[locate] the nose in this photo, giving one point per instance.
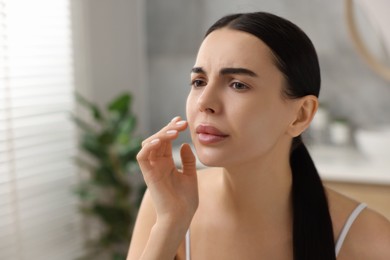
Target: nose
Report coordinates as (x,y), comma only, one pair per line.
(209,100)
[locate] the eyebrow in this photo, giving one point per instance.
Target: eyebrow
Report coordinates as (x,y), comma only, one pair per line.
(226,71)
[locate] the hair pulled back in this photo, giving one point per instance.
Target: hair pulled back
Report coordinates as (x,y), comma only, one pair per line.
(295,56)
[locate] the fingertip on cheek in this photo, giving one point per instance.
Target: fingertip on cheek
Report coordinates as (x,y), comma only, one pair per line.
(180,123)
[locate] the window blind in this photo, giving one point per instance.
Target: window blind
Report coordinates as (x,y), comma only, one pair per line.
(38,215)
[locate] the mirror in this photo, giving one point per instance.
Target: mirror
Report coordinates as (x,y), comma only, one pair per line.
(368,24)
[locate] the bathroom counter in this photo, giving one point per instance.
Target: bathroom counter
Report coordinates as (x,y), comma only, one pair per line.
(344,164)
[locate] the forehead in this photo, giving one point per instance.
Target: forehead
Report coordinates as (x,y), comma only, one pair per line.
(230,48)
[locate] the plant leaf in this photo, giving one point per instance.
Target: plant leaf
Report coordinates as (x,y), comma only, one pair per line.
(105,176)
(105,195)
(94,109)
(121,104)
(90,143)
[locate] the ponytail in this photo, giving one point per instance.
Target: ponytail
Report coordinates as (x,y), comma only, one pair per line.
(312,224)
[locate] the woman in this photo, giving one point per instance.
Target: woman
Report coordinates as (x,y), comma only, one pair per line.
(254,90)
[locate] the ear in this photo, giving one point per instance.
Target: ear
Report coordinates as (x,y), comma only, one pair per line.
(305,109)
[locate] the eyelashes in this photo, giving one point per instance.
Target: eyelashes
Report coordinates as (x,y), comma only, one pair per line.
(196,83)
(239,86)
(235,85)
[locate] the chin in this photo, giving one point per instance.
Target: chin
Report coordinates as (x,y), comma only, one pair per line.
(210,163)
(211,158)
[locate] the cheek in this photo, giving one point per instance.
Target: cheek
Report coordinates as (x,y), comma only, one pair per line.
(190,107)
(261,127)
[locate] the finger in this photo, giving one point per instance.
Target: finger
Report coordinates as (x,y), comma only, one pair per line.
(175,124)
(164,148)
(168,150)
(161,150)
(188,159)
(171,134)
(152,157)
(143,157)
(175,119)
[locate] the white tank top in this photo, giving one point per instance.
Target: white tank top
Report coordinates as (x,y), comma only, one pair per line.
(339,243)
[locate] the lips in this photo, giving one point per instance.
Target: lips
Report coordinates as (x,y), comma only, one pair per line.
(209,135)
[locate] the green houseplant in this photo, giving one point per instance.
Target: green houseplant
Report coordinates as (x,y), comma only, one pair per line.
(108,154)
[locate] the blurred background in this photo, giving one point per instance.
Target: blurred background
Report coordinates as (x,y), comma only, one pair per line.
(67,166)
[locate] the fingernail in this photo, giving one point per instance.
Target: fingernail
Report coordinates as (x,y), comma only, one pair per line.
(182,122)
(175,118)
(171,132)
(155,141)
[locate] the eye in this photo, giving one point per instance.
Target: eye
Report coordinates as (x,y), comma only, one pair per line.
(239,86)
(198,83)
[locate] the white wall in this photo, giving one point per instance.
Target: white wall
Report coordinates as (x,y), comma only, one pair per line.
(110,52)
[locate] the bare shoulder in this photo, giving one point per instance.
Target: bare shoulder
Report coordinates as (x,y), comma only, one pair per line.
(369,235)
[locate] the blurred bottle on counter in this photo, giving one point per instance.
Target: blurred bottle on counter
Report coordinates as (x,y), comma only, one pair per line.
(340,132)
(318,134)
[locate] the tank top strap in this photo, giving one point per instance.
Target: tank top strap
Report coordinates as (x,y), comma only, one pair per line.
(188,245)
(347,226)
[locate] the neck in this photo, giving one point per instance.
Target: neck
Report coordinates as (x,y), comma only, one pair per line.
(259,190)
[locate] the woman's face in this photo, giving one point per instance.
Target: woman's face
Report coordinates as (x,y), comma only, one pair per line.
(235,110)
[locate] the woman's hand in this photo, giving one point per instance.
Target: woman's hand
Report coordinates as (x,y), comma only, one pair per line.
(174,192)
